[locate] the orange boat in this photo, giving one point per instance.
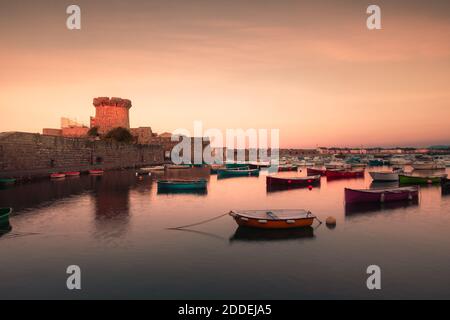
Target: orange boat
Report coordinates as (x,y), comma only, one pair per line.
(96,172)
(273,219)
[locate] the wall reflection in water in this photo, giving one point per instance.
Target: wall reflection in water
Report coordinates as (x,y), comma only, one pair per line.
(111,196)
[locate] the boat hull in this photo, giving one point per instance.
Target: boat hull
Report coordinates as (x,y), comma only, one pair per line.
(384,176)
(314,172)
(273,219)
(96,172)
(428,166)
(223,173)
(418,180)
(278,224)
(7,181)
(292,181)
(287,168)
(340,174)
(72,174)
(376,163)
(4,216)
(56,176)
(236,165)
(381,196)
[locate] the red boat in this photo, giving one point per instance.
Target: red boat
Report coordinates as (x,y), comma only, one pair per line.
(72,174)
(313,171)
(96,172)
(57,176)
(337,174)
(381,195)
(272,181)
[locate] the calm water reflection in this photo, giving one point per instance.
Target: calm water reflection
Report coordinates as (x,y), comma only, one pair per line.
(115,228)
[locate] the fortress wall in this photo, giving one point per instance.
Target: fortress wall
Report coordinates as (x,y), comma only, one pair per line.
(29,154)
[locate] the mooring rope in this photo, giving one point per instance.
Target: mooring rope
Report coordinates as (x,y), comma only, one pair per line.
(199,223)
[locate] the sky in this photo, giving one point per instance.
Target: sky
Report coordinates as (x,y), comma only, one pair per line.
(311,69)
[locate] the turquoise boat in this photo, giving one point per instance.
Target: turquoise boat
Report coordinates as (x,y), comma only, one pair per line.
(236,166)
(238,172)
(4,216)
(181,185)
(7,181)
(376,163)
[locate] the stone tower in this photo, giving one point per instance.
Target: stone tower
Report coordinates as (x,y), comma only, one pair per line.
(111,113)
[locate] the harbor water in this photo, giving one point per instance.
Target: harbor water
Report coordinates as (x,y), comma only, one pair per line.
(115,228)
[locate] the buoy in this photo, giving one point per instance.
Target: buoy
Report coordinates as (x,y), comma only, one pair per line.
(331,221)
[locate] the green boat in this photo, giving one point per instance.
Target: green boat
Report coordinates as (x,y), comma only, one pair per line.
(6,181)
(178,185)
(236,166)
(238,172)
(405,179)
(4,216)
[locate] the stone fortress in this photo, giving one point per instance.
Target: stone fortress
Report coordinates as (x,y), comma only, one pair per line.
(27,155)
(110,113)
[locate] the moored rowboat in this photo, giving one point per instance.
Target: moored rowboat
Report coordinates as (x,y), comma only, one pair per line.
(152,169)
(287,167)
(4,216)
(314,171)
(7,181)
(96,172)
(384,176)
(428,165)
(336,174)
(72,174)
(381,195)
(176,185)
(215,167)
(272,181)
(239,172)
(236,165)
(273,219)
(57,176)
(177,166)
(408,179)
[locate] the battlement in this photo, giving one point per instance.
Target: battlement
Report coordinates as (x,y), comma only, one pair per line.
(112,102)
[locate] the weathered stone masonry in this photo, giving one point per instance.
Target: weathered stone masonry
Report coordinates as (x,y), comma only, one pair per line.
(29,154)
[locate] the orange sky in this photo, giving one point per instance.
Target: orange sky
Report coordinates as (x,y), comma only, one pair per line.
(308,68)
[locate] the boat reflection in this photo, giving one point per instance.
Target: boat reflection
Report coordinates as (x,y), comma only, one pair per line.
(261,235)
(358,208)
(5,229)
(195,192)
(383,185)
(270,189)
